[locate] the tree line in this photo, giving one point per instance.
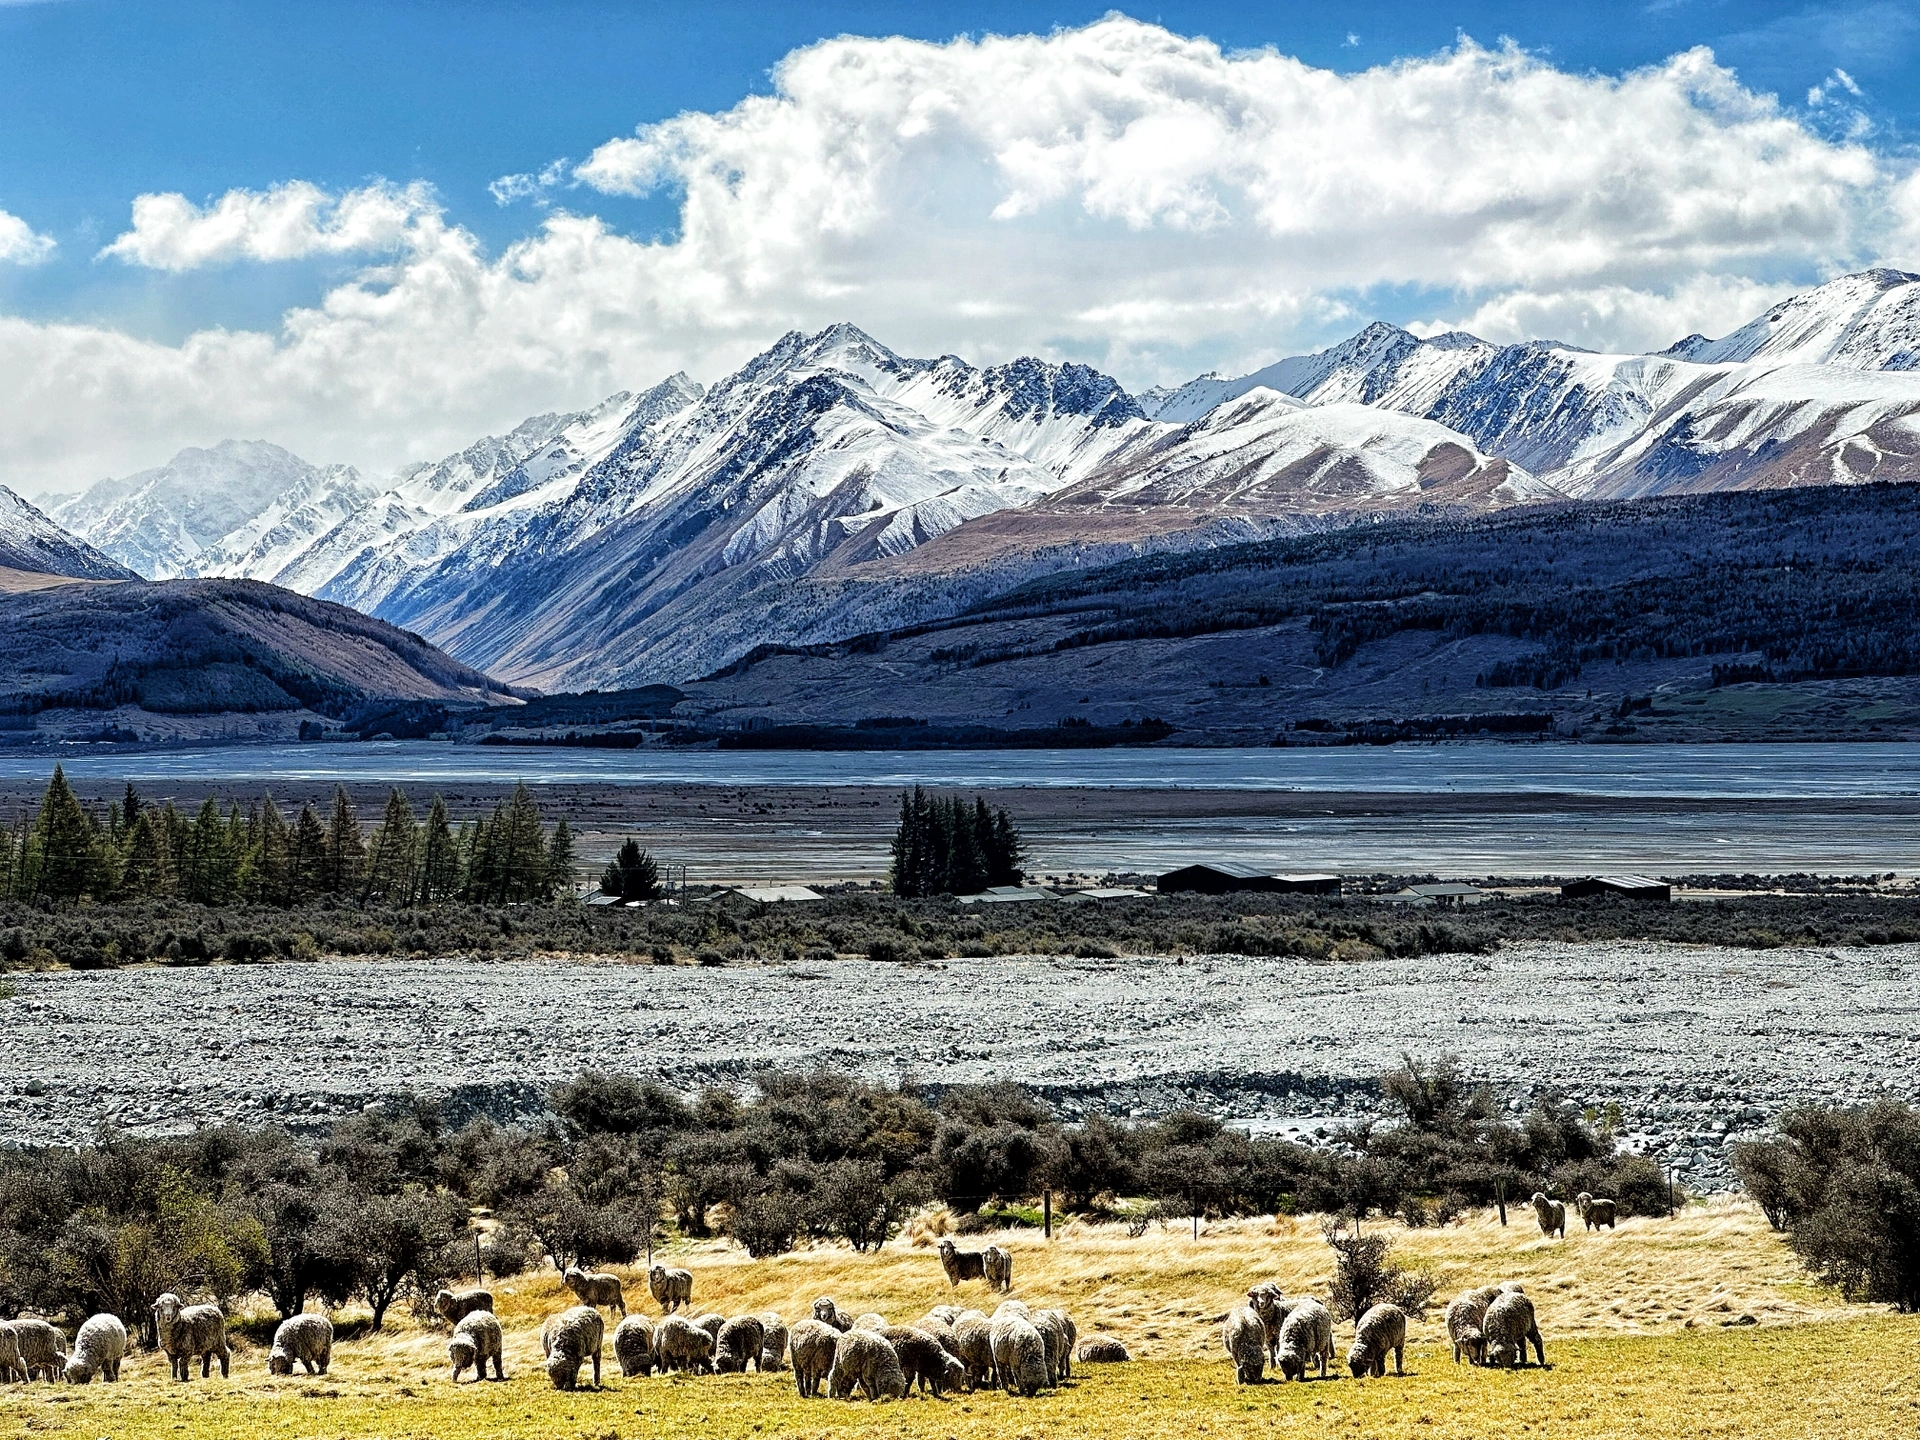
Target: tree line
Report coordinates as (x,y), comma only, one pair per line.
(949,847)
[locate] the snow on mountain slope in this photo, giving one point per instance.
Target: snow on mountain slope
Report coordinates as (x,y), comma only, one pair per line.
(1868,321)
(30,542)
(287,527)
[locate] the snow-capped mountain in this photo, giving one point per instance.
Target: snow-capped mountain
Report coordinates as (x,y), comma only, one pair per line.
(31,542)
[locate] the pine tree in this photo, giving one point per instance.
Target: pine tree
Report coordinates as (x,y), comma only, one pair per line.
(130,807)
(478,864)
(63,842)
(519,857)
(204,877)
(561,865)
(307,858)
(346,853)
(392,855)
(439,858)
(632,874)
(272,856)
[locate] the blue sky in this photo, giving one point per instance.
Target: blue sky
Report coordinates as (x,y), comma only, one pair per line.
(102,101)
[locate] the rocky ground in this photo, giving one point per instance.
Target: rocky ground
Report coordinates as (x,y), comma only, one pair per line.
(1697,1045)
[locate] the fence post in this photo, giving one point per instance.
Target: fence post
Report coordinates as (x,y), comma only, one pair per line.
(1500,1198)
(1046,1214)
(479,1270)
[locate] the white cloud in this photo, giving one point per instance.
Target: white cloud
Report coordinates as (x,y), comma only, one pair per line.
(287,222)
(1116,194)
(20,244)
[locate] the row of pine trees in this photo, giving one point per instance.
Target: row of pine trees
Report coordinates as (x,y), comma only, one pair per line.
(950,847)
(138,851)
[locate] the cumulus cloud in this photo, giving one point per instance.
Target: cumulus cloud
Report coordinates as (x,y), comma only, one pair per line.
(287,222)
(20,244)
(1116,194)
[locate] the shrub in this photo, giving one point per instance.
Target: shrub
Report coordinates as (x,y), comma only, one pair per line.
(765,1224)
(1365,1274)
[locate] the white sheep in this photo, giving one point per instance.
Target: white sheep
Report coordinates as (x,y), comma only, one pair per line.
(43,1349)
(12,1367)
(998,1264)
(1102,1350)
(1245,1336)
(595,1288)
(476,1340)
(1070,1333)
(307,1339)
(569,1340)
(455,1305)
(679,1344)
(871,1320)
(828,1313)
(1306,1338)
(973,1341)
(1382,1328)
(190,1332)
(670,1288)
(1466,1314)
(1551,1214)
(1019,1354)
(633,1346)
(773,1347)
(864,1361)
(1269,1302)
(1509,1326)
(97,1350)
(1595,1212)
(812,1344)
(738,1345)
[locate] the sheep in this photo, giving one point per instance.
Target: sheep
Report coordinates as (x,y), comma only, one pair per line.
(1053,1330)
(1509,1326)
(1245,1336)
(97,1350)
(569,1340)
(11,1366)
(1466,1314)
(710,1323)
(812,1344)
(1102,1350)
(670,1288)
(864,1361)
(1551,1214)
(948,1313)
(1306,1338)
(595,1288)
(1381,1329)
(476,1340)
(940,1329)
(1012,1307)
(924,1358)
(1269,1302)
(828,1313)
(738,1345)
(973,1341)
(633,1346)
(679,1344)
(1595,1212)
(998,1265)
(187,1331)
(961,1264)
(1071,1334)
(1019,1355)
(773,1343)
(872,1320)
(456,1305)
(43,1349)
(307,1339)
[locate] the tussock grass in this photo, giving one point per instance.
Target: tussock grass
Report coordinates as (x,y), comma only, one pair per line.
(1633,1322)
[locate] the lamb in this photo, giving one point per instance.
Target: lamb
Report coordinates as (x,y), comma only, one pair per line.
(812,1344)
(1071,1333)
(924,1358)
(97,1350)
(961,1264)
(738,1345)
(1551,1214)
(1509,1326)
(595,1288)
(679,1344)
(633,1346)
(1053,1330)
(1306,1338)
(670,1288)
(569,1340)
(1269,1302)
(1019,1355)
(1595,1212)
(773,1344)
(476,1340)
(864,1361)
(998,1265)
(1102,1350)
(43,1349)
(307,1339)
(973,1341)
(1466,1314)
(11,1367)
(190,1331)
(1381,1329)
(1245,1336)
(456,1305)
(828,1313)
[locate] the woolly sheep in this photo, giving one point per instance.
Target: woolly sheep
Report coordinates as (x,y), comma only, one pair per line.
(812,1344)
(961,1264)
(1465,1315)
(998,1264)
(191,1331)
(940,1329)
(569,1340)
(1019,1355)
(11,1366)
(1012,1307)
(456,1305)
(1381,1329)
(476,1340)
(711,1323)
(595,1288)
(1595,1212)
(864,1361)
(948,1313)
(679,1344)
(633,1346)
(872,1320)
(1102,1350)
(1306,1338)
(925,1359)
(973,1339)
(97,1350)
(828,1313)
(1053,1332)
(1269,1302)
(43,1349)
(738,1345)
(307,1339)
(1245,1336)
(1551,1214)
(670,1288)
(1071,1334)
(773,1343)
(1509,1326)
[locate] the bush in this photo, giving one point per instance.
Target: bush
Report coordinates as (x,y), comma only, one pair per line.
(1365,1274)
(765,1224)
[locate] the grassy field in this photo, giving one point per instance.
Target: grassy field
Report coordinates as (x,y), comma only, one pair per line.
(1636,1325)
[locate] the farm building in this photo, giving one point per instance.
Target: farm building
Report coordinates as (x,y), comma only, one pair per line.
(770,894)
(1627,887)
(1225,876)
(1443,895)
(1007,895)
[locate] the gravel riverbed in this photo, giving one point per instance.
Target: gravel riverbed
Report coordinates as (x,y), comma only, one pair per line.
(1697,1045)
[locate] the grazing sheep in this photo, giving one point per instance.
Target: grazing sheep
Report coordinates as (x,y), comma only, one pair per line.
(1306,1338)
(1019,1355)
(812,1343)
(307,1339)
(1012,1307)
(973,1339)
(1269,1302)
(670,1288)
(961,1264)
(595,1288)
(1053,1331)
(11,1366)
(828,1313)
(773,1345)
(679,1344)
(476,1340)
(1595,1212)
(948,1313)
(1070,1333)
(97,1350)
(569,1340)
(924,1358)
(870,1321)
(1102,1350)
(1245,1336)
(188,1332)
(864,1361)
(998,1264)
(710,1323)
(1465,1315)
(1509,1326)
(941,1330)
(738,1345)
(43,1349)
(633,1346)
(456,1305)
(1381,1329)
(1551,1214)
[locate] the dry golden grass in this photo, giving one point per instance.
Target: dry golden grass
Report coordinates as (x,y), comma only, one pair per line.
(1633,1324)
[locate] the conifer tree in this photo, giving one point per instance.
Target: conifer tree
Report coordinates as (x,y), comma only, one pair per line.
(392,854)
(204,879)
(146,873)
(561,865)
(63,843)
(272,855)
(440,857)
(306,858)
(346,853)
(518,852)
(632,874)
